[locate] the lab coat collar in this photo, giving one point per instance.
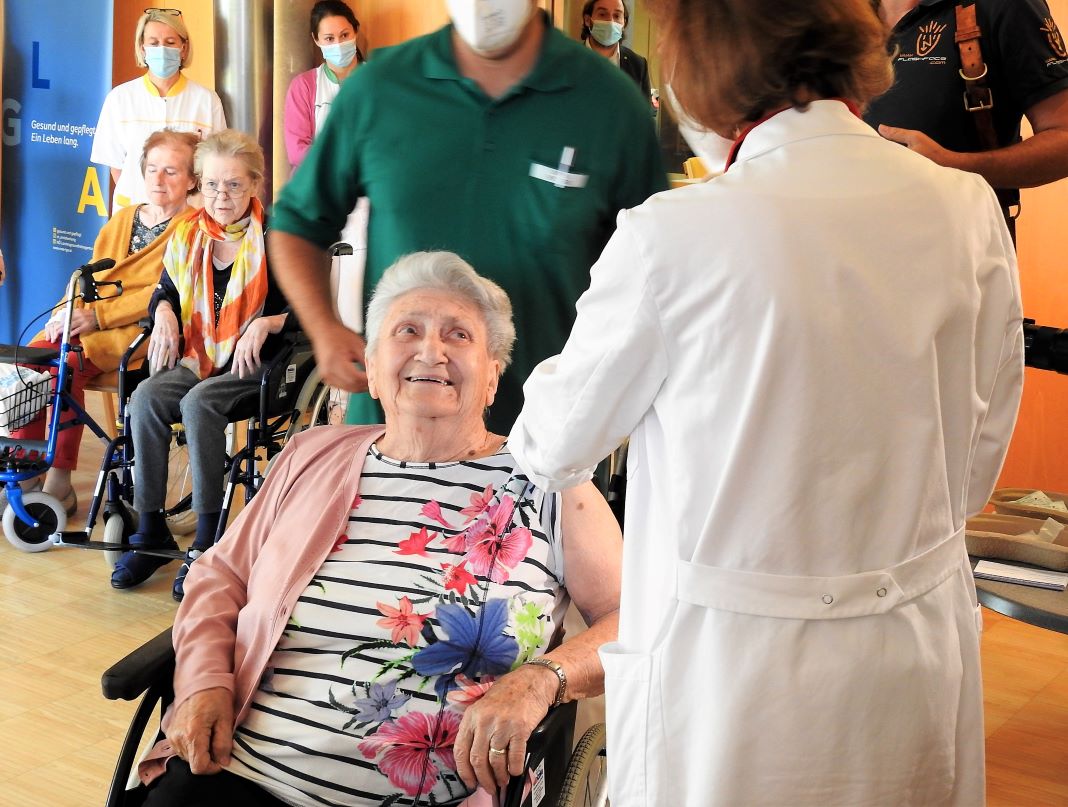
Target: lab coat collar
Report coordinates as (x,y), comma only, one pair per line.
(819,119)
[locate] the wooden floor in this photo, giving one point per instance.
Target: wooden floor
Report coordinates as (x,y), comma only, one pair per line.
(61,625)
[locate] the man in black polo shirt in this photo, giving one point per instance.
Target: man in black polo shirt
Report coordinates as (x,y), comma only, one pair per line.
(1027,64)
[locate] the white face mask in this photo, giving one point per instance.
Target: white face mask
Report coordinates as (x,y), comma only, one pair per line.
(488,26)
(711,147)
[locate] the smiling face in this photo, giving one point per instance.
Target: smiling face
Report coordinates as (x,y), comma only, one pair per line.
(432,359)
(168,179)
(227,188)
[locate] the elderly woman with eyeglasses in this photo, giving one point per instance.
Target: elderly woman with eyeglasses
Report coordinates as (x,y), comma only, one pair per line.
(161,98)
(214,312)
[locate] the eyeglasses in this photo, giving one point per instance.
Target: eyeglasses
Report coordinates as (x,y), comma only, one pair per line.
(174,12)
(232,188)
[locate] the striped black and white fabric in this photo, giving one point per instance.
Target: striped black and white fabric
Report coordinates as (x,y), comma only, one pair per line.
(448,576)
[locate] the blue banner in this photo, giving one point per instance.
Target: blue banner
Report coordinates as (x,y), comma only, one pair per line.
(57,70)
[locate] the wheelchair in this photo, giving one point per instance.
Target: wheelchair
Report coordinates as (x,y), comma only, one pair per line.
(556,775)
(292,397)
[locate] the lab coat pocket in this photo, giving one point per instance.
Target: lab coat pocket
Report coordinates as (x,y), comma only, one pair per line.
(633,721)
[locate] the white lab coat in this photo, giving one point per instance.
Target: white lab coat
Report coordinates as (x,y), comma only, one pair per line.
(818,357)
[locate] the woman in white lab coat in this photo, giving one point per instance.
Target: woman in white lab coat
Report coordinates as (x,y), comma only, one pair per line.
(818,359)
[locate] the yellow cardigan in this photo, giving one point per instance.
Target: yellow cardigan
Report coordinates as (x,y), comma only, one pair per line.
(139,274)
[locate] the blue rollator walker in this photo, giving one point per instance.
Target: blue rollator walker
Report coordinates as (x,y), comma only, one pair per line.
(292,397)
(34,521)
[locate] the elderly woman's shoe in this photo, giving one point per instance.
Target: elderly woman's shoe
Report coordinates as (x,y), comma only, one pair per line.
(178,589)
(134,568)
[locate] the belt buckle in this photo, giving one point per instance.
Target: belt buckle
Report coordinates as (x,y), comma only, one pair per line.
(978,99)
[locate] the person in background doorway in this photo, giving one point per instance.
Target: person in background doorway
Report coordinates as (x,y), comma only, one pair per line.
(603,25)
(161,98)
(333,29)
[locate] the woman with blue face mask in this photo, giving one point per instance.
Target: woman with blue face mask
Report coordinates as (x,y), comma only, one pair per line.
(603,24)
(161,98)
(333,29)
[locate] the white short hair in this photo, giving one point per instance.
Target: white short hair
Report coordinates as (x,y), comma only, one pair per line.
(448,272)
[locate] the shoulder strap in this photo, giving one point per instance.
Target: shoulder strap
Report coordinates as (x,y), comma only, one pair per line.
(977,98)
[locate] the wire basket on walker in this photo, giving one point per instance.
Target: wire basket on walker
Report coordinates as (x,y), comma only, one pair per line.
(23,396)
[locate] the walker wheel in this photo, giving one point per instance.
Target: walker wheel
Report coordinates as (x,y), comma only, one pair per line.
(45,509)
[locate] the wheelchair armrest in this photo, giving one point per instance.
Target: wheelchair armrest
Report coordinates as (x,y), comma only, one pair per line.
(147,665)
(550,744)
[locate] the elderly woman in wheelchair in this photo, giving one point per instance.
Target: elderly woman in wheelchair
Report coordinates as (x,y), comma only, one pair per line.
(380,623)
(214,311)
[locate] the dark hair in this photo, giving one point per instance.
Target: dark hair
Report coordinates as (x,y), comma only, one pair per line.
(331,8)
(587,11)
(730,62)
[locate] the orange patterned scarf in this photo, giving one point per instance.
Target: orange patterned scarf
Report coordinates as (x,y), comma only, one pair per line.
(188,261)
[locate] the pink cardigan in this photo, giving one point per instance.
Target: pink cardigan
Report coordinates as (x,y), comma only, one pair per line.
(238,596)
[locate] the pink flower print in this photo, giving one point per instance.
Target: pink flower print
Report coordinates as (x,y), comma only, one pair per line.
(469,691)
(339,543)
(479,502)
(404,623)
(411,742)
(415,544)
(357,502)
(457,543)
(495,557)
(457,577)
(432,510)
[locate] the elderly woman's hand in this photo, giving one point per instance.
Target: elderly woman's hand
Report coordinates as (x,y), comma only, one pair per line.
(247,350)
(163,346)
(83,321)
(503,719)
(202,731)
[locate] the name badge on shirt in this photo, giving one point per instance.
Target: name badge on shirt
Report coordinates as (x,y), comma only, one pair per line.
(561,176)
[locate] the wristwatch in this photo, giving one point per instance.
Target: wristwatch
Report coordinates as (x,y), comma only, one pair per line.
(561,690)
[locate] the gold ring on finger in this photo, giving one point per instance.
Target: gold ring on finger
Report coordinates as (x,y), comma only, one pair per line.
(498,751)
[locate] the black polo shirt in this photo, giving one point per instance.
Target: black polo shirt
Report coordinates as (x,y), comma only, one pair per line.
(1025,55)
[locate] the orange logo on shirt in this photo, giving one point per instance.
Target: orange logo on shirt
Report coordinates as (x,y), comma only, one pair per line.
(1056,41)
(928,38)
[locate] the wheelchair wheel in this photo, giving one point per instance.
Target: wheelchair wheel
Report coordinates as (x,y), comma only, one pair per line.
(116,531)
(45,509)
(586,780)
(312,406)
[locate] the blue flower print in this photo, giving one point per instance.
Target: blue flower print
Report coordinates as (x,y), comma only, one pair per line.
(477,645)
(380,702)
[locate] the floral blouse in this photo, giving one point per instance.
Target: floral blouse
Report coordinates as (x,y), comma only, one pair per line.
(448,576)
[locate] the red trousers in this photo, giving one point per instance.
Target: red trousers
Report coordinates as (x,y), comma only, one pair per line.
(68,443)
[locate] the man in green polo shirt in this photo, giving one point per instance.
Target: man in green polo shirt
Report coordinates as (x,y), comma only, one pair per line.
(495,137)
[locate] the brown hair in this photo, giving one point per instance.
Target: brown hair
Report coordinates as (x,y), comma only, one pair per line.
(169,137)
(730,62)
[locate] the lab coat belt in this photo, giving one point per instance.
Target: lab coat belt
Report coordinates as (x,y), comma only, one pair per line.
(839,597)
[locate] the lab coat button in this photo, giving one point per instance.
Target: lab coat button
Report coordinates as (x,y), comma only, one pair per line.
(881,592)
(828,599)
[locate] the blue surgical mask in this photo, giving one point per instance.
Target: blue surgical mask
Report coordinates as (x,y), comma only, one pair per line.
(163,61)
(339,54)
(607,32)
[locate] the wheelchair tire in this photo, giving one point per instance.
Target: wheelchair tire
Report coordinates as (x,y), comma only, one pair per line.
(586,780)
(116,531)
(312,406)
(47,510)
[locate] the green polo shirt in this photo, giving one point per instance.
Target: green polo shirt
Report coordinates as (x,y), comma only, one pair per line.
(447,167)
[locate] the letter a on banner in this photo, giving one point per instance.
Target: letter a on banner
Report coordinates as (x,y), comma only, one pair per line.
(91,195)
